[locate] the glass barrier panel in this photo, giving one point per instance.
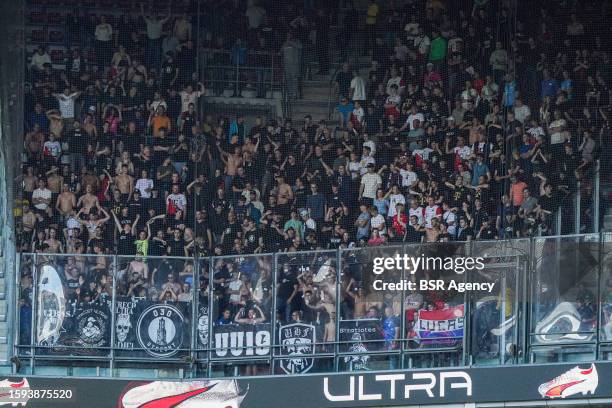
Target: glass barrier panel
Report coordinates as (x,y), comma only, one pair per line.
(203,314)
(564,289)
(605,287)
(153,307)
(25,297)
(368,362)
(73,298)
(434,311)
(438,359)
(242,309)
(495,320)
(370,312)
(306,294)
(562,354)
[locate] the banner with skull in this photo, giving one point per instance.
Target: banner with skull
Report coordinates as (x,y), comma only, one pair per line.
(146,328)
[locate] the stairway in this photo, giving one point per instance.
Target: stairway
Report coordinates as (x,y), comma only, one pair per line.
(316,99)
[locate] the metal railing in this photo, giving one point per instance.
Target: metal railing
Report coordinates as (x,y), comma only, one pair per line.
(535,279)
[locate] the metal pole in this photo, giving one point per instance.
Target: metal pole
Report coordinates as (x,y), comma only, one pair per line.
(557,220)
(402,344)
(596,197)
(211,316)
(16,322)
(502,312)
(466,353)
(195,297)
(577,214)
(338,316)
(273,311)
(113,307)
(600,295)
(34,311)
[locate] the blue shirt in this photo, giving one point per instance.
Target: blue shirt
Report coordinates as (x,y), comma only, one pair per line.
(549,87)
(509,93)
(477,171)
(389,326)
(382,206)
(316,205)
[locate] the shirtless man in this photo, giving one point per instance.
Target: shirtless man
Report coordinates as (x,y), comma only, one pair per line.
(285,193)
(232,162)
(33,142)
(55,123)
(359,299)
(89,179)
(138,266)
(54,181)
(432,234)
(93,223)
(30,181)
(54,245)
(329,334)
(125,184)
(28,221)
(88,200)
(66,201)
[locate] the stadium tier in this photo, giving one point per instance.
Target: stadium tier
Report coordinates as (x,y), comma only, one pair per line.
(206,195)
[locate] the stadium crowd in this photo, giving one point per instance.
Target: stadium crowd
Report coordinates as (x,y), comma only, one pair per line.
(453,133)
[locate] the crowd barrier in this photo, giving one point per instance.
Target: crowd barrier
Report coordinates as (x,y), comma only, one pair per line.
(306,312)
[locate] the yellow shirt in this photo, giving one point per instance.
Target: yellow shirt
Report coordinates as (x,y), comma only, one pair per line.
(372,14)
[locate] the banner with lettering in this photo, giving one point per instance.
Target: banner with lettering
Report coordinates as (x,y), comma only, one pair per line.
(152,329)
(242,340)
(440,326)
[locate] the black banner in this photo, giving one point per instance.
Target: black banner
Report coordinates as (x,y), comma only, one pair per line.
(361,336)
(78,329)
(242,340)
(145,328)
(532,384)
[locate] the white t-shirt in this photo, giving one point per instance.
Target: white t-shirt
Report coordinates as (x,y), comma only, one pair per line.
(378,222)
(370,182)
(178,200)
(394,200)
(39,60)
(463,152)
(430,213)
(54,148)
(44,193)
(370,143)
(412,117)
(358,86)
(363,164)
(104,32)
(424,153)
(187,98)
(450,218)
(417,212)
(408,177)
(66,105)
(142,185)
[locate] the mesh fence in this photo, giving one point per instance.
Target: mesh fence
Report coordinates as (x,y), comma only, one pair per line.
(233,129)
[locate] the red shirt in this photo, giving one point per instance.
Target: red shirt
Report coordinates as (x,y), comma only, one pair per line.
(398,228)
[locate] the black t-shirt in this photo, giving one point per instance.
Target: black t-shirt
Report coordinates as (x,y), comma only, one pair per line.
(176,247)
(157,248)
(125,244)
(412,235)
(548,203)
(251,239)
(76,142)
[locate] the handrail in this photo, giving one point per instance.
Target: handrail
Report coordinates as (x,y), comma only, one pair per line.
(332,79)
